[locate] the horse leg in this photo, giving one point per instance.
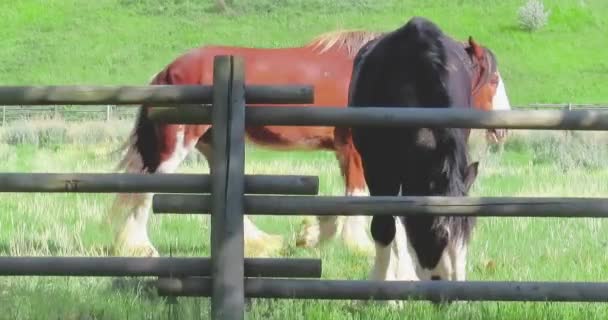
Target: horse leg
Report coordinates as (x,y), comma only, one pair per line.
(391,262)
(130,233)
(352,229)
(383,231)
(133,210)
(257,242)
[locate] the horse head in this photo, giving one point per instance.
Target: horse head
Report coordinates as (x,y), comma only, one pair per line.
(489,91)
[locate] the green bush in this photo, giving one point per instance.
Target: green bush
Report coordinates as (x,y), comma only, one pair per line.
(532,15)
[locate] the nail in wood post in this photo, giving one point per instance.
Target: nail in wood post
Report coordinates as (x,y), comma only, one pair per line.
(227,239)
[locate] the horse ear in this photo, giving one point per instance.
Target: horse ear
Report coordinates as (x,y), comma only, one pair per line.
(471,174)
(475,48)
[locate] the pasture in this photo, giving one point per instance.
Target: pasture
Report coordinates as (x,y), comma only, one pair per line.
(519,249)
(125,42)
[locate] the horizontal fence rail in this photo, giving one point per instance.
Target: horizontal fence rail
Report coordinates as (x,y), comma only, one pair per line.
(108,112)
(399,290)
(564,106)
(160,267)
(395,117)
(158,94)
(400,205)
(166,183)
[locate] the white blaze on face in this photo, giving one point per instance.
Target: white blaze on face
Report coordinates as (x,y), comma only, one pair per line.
(500,101)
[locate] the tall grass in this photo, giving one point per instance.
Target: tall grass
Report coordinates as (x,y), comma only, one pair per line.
(48,133)
(564,150)
(517,249)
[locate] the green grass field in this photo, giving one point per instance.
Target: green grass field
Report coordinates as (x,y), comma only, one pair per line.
(519,249)
(126,41)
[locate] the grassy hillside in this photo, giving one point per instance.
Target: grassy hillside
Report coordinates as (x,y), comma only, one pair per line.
(126,41)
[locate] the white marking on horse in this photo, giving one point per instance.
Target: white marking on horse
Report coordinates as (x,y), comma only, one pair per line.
(396,261)
(354,229)
(459,260)
(404,254)
(382,270)
(180,152)
(500,101)
(133,231)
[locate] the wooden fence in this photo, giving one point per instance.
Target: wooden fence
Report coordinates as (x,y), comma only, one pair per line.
(226,276)
(120,112)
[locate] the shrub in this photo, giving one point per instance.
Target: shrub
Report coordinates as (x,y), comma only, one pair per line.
(532,15)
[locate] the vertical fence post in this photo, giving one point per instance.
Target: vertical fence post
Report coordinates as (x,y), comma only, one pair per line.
(568,133)
(108,110)
(227,171)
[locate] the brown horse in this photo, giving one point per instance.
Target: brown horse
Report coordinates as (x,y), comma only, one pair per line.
(326,63)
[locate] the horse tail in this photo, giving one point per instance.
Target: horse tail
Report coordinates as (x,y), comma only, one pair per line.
(141,147)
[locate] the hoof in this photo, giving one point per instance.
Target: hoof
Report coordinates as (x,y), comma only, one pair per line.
(308,237)
(395,304)
(444,303)
(355,237)
(391,304)
(358,242)
(263,246)
(139,250)
(360,246)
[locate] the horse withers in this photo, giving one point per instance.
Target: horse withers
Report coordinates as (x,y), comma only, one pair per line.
(419,66)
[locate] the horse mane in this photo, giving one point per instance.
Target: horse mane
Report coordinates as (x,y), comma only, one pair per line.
(352,40)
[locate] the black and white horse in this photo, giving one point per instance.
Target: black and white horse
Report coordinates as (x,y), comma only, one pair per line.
(419,66)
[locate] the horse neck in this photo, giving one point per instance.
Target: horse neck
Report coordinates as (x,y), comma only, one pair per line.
(477,77)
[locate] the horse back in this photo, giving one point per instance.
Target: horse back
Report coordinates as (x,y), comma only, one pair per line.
(328,72)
